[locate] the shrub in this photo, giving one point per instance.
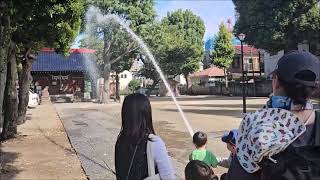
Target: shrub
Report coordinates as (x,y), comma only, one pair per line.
(134,85)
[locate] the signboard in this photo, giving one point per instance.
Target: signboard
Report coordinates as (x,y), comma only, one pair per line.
(60,77)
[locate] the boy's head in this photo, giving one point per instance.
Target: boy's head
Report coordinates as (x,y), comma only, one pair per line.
(230,139)
(199,139)
(197,170)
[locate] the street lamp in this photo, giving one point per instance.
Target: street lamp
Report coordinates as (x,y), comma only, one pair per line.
(241,38)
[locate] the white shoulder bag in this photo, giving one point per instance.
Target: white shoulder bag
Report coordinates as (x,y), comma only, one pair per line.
(151,166)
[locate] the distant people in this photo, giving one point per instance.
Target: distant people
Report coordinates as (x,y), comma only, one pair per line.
(198,170)
(284,136)
(201,153)
(230,140)
(131,147)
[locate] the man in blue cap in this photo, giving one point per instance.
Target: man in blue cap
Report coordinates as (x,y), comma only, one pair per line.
(230,140)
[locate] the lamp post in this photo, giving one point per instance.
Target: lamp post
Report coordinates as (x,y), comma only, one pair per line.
(241,38)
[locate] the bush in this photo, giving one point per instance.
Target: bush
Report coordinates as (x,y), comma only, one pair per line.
(134,85)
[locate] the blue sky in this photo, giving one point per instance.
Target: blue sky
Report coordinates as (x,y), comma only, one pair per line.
(212,12)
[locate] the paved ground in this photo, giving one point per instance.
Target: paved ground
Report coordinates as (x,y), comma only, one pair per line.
(93,128)
(41,149)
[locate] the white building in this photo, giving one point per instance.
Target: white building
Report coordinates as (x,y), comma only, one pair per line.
(270,61)
(124,79)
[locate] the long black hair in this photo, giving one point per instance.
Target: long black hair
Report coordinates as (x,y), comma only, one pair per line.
(136,126)
(136,117)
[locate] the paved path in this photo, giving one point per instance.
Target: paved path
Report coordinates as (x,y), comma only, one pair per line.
(41,149)
(93,129)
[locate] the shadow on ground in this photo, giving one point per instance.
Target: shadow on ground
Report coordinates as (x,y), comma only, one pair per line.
(201,98)
(71,151)
(256,106)
(222,112)
(7,171)
(177,141)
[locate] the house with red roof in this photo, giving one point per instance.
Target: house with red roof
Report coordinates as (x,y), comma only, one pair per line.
(253,62)
(207,76)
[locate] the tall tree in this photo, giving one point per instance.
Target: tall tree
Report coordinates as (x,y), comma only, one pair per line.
(5,40)
(223,51)
(53,23)
(10,100)
(36,24)
(117,43)
(188,48)
(279,25)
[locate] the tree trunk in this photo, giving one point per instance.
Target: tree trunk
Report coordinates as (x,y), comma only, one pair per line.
(105,94)
(24,87)
(117,88)
(10,100)
(226,77)
(4,45)
(155,82)
(291,45)
(186,76)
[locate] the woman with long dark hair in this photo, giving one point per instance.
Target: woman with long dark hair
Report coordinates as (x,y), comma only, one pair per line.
(131,147)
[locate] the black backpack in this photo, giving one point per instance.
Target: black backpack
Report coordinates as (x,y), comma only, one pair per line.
(295,163)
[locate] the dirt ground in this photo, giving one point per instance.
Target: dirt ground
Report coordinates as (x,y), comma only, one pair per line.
(93,128)
(41,149)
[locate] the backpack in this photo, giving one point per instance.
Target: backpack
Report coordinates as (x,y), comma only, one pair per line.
(295,163)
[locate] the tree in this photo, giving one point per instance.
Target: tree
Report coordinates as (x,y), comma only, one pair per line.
(223,51)
(33,25)
(187,44)
(278,25)
(117,43)
(134,85)
(45,23)
(5,34)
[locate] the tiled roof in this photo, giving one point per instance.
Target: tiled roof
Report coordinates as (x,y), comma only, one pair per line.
(210,72)
(246,49)
(49,61)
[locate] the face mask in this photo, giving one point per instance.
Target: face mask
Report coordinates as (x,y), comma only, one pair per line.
(281,102)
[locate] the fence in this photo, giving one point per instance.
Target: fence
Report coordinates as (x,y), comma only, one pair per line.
(257,89)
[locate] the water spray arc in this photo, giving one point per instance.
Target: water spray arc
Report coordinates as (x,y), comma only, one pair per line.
(101,19)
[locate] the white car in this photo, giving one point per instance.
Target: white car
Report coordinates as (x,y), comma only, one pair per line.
(33,100)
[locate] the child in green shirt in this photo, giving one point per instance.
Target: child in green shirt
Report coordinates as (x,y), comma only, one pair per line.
(201,153)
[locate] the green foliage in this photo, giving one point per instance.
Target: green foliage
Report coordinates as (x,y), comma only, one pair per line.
(277,25)
(51,23)
(185,40)
(223,51)
(134,85)
(118,48)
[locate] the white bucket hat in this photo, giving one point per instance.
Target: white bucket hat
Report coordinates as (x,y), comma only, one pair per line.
(265,133)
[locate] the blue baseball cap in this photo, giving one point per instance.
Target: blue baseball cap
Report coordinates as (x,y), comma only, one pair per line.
(230,137)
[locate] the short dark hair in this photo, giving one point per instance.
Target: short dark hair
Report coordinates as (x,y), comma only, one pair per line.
(198,170)
(199,139)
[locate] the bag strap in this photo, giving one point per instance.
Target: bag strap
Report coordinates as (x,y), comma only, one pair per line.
(317,129)
(134,154)
(151,167)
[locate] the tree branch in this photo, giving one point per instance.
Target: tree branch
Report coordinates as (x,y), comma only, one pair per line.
(127,51)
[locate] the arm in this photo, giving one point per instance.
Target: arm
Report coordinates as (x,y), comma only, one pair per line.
(225,162)
(162,160)
(236,172)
